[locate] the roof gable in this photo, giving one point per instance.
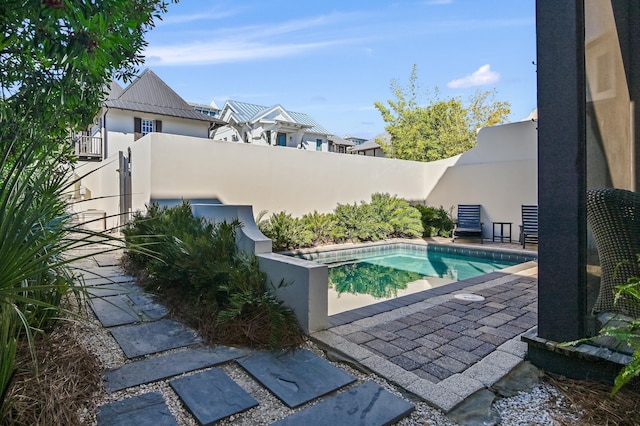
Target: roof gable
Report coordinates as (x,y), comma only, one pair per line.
(148,88)
(273,113)
(148,93)
(115,90)
(243,112)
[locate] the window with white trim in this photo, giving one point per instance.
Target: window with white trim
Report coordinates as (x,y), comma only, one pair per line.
(146,126)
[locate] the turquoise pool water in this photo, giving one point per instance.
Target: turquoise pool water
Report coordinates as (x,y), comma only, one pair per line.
(368,279)
(382,276)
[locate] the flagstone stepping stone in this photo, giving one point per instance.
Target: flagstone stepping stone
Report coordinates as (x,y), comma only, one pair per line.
(98,271)
(149,307)
(211,395)
(111,289)
(95,280)
(127,309)
(151,337)
(365,404)
(295,377)
(115,310)
(167,365)
(148,409)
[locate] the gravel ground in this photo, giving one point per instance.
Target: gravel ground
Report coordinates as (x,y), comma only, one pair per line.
(539,406)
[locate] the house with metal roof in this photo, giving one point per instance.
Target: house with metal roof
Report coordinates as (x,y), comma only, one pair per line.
(147,105)
(274,125)
(340,145)
(371,147)
(356,140)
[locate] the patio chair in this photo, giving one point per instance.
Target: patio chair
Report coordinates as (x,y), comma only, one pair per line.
(468,222)
(614,218)
(529,227)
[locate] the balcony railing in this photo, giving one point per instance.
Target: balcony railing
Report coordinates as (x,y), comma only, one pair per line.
(88,148)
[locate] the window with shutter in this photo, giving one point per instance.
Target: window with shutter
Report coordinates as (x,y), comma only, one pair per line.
(147,126)
(137,128)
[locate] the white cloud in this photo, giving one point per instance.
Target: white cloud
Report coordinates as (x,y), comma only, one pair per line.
(184,19)
(228,45)
(226,51)
(481,77)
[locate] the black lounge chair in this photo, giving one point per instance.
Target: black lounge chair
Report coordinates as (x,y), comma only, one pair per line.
(529,227)
(614,218)
(468,223)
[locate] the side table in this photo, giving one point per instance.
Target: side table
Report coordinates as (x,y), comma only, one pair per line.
(501,226)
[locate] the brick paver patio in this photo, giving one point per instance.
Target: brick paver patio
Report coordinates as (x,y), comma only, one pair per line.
(438,346)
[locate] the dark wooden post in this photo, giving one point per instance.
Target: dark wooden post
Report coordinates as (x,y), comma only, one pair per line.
(561,170)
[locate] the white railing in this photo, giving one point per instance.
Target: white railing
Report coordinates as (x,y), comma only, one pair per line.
(88,147)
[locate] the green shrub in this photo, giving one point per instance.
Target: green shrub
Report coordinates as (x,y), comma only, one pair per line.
(384,217)
(356,223)
(199,260)
(286,232)
(436,221)
(319,225)
(624,330)
(403,219)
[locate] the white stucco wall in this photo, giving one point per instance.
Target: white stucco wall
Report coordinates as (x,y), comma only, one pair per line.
(269,178)
(500,173)
(226,133)
(99,182)
(310,142)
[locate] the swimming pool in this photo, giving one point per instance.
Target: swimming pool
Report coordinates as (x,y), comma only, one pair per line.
(366,275)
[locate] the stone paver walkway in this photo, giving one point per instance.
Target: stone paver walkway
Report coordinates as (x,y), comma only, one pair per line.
(159,348)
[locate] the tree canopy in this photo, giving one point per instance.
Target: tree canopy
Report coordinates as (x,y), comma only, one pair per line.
(57,58)
(440,129)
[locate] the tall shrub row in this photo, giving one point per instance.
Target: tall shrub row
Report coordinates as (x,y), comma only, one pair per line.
(384,217)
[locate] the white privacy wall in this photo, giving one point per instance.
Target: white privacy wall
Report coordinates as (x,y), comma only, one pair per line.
(267,177)
(500,173)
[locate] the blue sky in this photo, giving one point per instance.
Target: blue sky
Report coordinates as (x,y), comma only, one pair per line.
(333,59)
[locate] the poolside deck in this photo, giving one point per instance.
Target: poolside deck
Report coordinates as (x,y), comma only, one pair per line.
(437,346)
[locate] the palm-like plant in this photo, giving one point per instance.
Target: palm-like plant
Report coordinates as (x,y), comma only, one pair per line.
(320,226)
(37,234)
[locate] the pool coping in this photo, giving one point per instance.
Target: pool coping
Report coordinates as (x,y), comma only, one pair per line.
(508,254)
(523,257)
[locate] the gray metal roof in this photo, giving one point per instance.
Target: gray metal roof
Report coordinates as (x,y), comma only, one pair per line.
(339,141)
(148,93)
(244,112)
(371,143)
(115,90)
